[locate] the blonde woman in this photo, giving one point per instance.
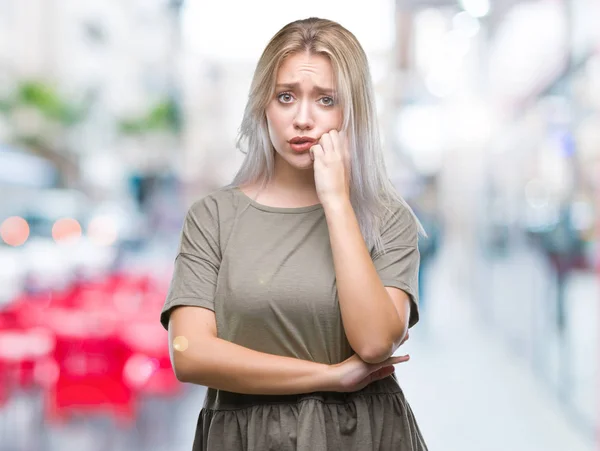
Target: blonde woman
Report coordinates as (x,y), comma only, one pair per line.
(294,285)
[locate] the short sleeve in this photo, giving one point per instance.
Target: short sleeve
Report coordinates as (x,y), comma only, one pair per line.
(398,265)
(197,262)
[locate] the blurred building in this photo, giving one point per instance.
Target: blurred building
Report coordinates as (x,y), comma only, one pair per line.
(115,64)
(500,102)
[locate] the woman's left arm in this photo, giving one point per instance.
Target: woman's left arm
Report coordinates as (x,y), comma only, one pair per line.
(375,317)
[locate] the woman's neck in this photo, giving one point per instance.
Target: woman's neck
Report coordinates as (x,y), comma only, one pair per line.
(292,181)
(289,187)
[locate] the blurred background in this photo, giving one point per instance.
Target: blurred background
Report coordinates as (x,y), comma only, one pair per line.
(116,115)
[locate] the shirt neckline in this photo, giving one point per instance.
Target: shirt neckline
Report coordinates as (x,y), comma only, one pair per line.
(271,209)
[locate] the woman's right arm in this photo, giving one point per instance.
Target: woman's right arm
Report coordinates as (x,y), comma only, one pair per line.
(198,356)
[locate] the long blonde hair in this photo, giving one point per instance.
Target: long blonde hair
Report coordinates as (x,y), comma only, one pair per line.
(371,192)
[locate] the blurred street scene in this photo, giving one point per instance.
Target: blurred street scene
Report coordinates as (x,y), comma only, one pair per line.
(116,115)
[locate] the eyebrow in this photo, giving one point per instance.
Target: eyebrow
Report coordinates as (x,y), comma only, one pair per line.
(297,85)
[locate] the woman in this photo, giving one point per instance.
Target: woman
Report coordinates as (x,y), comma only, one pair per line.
(305,267)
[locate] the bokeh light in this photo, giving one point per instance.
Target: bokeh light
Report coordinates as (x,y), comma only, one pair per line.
(138,369)
(102,231)
(66,229)
(180,343)
(14,231)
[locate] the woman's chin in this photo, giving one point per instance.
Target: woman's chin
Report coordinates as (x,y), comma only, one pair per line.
(302,161)
(305,166)
(299,161)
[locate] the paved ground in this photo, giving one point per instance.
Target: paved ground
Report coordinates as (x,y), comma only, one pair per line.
(470,390)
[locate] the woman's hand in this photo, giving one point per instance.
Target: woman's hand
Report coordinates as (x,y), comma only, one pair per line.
(331,166)
(354,374)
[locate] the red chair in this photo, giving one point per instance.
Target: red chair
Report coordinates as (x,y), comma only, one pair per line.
(91,360)
(21,350)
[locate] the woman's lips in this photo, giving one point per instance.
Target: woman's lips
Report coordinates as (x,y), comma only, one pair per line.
(302,147)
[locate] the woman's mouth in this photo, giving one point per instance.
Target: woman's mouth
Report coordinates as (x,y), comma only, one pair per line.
(302,144)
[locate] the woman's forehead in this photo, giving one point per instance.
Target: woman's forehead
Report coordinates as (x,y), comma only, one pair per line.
(306,69)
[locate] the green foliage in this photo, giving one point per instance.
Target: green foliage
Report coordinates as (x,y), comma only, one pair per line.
(44,98)
(164,116)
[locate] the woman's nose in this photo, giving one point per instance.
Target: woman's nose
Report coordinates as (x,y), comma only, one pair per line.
(304,118)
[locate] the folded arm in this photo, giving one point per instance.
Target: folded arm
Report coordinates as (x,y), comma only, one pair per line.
(198,356)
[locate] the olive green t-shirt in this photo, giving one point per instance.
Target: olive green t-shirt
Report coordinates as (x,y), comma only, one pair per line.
(268,274)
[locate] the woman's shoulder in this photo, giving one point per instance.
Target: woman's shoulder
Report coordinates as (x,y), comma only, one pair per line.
(398,214)
(397,208)
(214,204)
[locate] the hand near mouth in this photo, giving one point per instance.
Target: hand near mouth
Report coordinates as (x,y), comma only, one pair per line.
(331,157)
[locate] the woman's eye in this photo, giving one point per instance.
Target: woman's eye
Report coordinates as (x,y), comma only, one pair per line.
(285,97)
(327,101)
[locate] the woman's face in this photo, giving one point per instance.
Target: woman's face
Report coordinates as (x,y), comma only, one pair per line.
(303,106)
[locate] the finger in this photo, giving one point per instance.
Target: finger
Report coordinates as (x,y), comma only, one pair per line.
(327,143)
(384,372)
(335,139)
(316,152)
(397,359)
(381,373)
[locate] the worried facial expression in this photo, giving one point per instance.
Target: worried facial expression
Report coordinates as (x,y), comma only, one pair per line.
(304,107)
